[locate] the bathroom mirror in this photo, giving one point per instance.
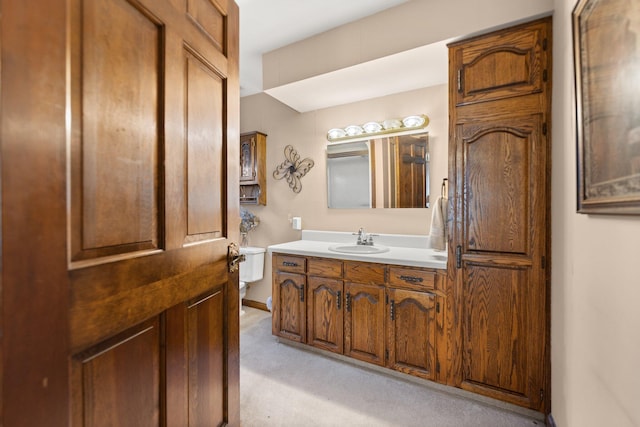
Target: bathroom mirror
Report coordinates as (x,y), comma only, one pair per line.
(389,172)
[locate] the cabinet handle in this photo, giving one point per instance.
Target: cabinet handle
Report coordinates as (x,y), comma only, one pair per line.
(339,299)
(348,302)
(411,279)
(392,310)
(458,256)
(301,293)
(289,264)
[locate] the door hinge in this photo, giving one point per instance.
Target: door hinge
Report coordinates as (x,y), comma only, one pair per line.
(458,256)
(545,76)
(438,307)
(459,79)
(437,367)
(339,299)
(544,128)
(386,354)
(301,293)
(541,395)
(392,310)
(347,302)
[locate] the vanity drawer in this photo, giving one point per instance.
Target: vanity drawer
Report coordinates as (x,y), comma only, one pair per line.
(324,267)
(412,278)
(292,263)
(364,272)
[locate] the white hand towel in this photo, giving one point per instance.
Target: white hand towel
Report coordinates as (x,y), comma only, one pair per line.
(438,232)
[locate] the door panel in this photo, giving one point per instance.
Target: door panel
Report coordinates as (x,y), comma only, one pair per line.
(497,184)
(413,315)
(290,306)
(204,112)
(325,318)
(116,118)
(205,344)
(364,322)
(502,65)
(118,381)
(495,328)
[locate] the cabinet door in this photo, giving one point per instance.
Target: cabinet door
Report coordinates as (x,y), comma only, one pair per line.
(325,319)
(248,156)
(411,332)
(505,64)
(501,268)
(364,322)
(289,319)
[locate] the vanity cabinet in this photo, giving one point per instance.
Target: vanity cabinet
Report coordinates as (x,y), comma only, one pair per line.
(253,178)
(382,314)
(289,287)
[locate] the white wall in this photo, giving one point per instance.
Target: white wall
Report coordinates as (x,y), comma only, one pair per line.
(306,132)
(595,311)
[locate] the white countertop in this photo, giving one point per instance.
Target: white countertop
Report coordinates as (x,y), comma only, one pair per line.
(406,250)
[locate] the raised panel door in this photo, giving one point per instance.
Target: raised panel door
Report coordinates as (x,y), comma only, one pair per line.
(365,322)
(501,242)
(131,113)
(289,307)
(501,65)
(325,313)
(411,332)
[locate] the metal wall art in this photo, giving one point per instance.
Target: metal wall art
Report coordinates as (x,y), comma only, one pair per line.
(292,169)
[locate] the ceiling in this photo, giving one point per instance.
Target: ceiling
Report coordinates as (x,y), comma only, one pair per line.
(266,25)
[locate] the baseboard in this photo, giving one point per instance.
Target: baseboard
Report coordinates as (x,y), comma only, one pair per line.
(550,421)
(254,304)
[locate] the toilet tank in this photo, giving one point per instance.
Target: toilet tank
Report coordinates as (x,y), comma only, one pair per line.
(252,268)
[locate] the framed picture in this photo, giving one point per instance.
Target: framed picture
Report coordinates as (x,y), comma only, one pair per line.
(606,38)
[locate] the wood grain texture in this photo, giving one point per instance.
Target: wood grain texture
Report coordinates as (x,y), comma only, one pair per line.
(289,307)
(324,267)
(325,313)
(365,272)
(411,332)
(365,322)
(34,352)
(120,379)
(497,305)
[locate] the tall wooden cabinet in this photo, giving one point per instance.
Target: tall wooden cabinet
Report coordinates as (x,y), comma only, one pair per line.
(499,170)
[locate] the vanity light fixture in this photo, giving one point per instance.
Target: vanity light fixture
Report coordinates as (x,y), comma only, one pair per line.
(386,127)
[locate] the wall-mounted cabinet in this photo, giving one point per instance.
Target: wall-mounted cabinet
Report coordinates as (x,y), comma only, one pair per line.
(253,177)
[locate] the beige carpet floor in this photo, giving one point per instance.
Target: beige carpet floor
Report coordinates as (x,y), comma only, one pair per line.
(283,385)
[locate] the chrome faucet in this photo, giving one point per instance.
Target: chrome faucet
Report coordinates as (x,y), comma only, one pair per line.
(364,238)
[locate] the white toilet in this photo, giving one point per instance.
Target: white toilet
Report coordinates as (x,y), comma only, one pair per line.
(251,269)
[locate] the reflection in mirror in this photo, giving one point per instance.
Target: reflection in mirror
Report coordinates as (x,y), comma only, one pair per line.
(349,168)
(389,172)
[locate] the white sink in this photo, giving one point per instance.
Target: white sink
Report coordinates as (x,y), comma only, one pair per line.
(359,249)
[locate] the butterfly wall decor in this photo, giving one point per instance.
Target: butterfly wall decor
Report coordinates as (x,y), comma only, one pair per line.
(293,168)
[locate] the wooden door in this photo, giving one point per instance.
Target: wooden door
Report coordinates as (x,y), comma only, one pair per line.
(499,247)
(124,173)
(289,306)
(411,332)
(364,322)
(411,159)
(325,314)
(502,196)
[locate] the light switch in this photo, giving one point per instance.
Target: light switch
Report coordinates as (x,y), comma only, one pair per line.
(296,223)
